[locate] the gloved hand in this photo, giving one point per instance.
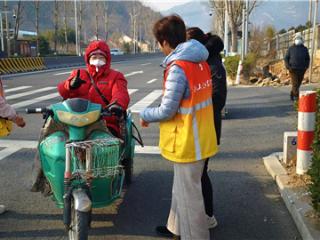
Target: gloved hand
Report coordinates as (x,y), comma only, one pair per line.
(76,82)
(116,109)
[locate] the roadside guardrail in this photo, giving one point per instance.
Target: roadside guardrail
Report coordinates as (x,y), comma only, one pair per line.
(28,64)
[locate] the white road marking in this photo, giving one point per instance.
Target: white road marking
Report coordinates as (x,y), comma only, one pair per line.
(146,101)
(30,92)
(35,100)
(145,64)
(63,73)
(133,73)
(131,91)
(16,89)
(8,151)
(152,80)
(10,147)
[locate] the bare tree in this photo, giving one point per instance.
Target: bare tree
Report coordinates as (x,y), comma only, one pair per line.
(234,11)
(18,12)
(133,19)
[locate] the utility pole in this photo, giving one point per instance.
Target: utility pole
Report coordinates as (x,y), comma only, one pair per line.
(97,8)
(76,27)
(1,32)
(246,29)
(315,15)
(7,28)
(243,32)
(309,21)
(226,29)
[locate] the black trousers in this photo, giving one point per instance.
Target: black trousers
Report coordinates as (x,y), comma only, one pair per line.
(296,80)
(207,190)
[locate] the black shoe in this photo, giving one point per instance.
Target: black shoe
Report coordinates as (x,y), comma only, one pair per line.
(164,232)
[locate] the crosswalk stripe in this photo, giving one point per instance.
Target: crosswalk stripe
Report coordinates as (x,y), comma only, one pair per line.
(10,147)
(29,93)
(35,100)
(16,89)
(63,73)
(146,101)
(8,151)
(131,91)
(152,80)
(133,73)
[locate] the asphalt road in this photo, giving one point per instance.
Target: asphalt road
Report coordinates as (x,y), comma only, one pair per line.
(246,200)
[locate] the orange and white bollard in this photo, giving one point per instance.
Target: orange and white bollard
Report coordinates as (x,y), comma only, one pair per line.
(306,127)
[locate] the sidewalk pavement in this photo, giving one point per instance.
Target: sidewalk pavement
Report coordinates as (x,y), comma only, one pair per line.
(296,198)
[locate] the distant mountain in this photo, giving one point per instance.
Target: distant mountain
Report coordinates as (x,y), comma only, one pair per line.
(280,14)
(195,14)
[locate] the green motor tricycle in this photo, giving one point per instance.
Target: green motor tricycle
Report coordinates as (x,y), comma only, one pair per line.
(85,170)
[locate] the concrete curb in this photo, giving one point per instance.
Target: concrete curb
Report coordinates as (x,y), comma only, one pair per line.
(293,198)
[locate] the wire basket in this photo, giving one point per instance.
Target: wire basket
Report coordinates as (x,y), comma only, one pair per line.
(97,158)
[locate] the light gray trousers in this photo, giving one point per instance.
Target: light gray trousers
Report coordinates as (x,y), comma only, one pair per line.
(187,216)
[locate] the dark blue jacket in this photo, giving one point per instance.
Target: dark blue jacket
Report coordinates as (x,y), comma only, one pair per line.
(297,58)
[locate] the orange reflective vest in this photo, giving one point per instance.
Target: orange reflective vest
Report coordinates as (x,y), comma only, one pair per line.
(190,135)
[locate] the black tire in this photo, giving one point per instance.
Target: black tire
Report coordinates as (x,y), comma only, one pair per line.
(79,227)
(128,171)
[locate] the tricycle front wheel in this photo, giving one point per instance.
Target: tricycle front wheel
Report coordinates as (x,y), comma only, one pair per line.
(79,227)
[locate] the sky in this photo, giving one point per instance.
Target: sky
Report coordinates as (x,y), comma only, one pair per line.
(163,4)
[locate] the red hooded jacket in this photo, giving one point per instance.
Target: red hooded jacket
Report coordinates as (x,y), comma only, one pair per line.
(112,84)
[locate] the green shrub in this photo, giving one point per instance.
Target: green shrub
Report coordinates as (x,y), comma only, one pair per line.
(314,171)
(231,65)
(249,63)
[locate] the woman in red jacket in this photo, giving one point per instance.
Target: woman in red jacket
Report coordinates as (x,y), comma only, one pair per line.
(87,84)
(111,84)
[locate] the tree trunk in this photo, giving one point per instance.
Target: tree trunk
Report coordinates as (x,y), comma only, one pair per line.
(97,10)
(65,25)
(80,25)
(234,38)
(106,20)
(37,3)
(55,25)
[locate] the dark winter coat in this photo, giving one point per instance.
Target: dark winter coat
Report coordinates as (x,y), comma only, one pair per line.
(112,84)
(219,94)
(297,58)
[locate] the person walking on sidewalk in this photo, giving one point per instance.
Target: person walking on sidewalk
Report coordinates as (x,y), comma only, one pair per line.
(8,112)
(214,45)
(297,61)
(187,134)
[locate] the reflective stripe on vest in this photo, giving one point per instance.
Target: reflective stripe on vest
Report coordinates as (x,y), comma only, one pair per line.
(190,135)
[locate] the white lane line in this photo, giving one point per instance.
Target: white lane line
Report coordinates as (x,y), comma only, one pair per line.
(8,151)
(10,144)
(35,100)
(133,73)
(16,89)
(152,80)
(131,91)
(63,73)
(145,64)
(146,101)
(29,93)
